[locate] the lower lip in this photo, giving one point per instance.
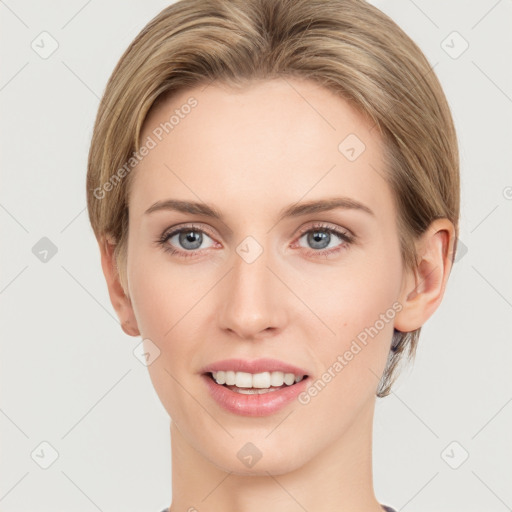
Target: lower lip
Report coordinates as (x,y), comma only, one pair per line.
(254,405)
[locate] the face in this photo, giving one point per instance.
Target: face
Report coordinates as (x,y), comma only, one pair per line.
(315,288)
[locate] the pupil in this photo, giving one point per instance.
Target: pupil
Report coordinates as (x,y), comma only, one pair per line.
(319,237)
(190,237)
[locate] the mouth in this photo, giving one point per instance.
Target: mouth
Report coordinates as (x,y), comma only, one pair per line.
(258,387)
(255,383)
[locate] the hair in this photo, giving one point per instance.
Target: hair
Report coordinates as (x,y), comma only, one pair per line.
(347,46)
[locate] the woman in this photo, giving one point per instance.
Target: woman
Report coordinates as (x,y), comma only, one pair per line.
(274,188)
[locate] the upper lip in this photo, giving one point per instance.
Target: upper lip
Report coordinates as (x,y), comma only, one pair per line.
(254,366)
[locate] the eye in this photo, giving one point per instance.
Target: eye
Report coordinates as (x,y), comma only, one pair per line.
(187,239)
(322,239)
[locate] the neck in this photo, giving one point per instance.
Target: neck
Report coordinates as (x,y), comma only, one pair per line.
(338,478)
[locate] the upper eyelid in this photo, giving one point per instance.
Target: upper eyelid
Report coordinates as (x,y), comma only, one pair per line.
(190,227)
(326,226)
(195,226)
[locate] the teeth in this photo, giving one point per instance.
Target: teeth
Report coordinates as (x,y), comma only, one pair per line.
(243,380)
(262,380)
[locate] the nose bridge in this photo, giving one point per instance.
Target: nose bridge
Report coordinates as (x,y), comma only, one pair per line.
(250,304)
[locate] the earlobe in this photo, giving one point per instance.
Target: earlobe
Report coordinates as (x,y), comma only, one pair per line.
(120,301)
(423,288)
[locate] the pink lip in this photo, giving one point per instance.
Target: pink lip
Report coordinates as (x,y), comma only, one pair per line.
(256,366)
(253,405)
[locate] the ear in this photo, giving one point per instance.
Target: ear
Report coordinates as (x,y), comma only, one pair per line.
(120,301)
(423,289)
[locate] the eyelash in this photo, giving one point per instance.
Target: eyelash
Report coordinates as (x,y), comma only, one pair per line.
(343,235)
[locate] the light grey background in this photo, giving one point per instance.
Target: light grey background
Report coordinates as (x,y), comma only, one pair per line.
(68,374)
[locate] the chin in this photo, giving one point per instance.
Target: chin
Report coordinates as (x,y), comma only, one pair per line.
(249,456)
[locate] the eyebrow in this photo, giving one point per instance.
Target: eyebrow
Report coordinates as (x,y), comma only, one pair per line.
(294,210)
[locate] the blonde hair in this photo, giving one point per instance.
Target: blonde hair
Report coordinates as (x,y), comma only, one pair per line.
(347,46)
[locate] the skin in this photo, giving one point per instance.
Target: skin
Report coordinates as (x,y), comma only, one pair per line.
(251,153)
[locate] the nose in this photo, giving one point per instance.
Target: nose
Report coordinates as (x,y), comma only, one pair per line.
(253,303)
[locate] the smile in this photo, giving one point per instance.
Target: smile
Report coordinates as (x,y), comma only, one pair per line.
(244,382)
(259,394)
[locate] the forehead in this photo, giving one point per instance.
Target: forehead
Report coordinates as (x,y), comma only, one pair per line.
(275,140)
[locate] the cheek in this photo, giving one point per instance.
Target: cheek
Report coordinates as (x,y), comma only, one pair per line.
(351,365)
(169,305)
(360,308)
(161,295)
(356,297)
